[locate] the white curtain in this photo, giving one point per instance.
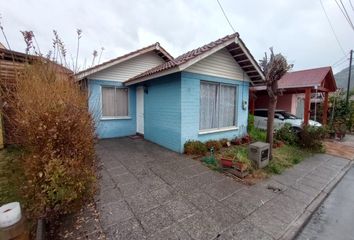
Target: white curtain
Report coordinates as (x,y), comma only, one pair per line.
(108,101)
(208,106)
(114,102)
(227,106)
(217,105)
(122,101)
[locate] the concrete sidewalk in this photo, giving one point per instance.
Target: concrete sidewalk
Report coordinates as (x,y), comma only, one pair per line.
(148,192)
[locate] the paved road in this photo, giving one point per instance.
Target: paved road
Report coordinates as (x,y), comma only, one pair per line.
(335,217)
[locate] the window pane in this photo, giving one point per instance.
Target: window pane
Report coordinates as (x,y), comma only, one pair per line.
(227,106)
(122,102)
(208,106)
(108,101)
(114,102)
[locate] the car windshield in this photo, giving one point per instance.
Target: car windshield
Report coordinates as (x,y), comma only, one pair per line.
(288,115)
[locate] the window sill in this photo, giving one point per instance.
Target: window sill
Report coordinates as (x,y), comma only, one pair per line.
(114,118)
(216,130)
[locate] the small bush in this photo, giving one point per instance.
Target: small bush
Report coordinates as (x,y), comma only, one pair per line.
(53,125)
(274,167)
(210,160)
(258,134)
(287,134)
(213,143)
(311,138)
(246,139)
(250,126)
(239,154)
(237,141)
(223,142)
(195,147)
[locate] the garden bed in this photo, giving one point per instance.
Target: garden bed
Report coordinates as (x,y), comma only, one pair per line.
(284,156)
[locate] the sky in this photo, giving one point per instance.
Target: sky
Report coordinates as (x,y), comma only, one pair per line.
(296,28)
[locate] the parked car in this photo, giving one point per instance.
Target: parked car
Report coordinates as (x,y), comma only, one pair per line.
(280,118)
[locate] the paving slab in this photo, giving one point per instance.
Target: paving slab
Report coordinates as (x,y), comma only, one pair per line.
(174,232)
(129,229)
(244,230)
(180,208)
(201,227)
(155,220)
(115,212)
(148,192)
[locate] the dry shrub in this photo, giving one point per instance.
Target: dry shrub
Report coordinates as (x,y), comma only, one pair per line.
(52,123)
(194,147)
(213,144)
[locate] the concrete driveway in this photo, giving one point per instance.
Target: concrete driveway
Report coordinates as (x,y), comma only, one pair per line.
(150,192)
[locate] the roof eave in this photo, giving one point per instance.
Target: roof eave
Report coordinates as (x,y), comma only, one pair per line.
(152,76)
(249,56)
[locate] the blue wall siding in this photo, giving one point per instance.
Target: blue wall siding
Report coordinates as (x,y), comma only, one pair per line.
(162,116)
(190,95)
(113,127)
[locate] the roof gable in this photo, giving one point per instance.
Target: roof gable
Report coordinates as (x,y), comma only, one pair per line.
(219,64)
(127,69)
(320,78)
(155,48)
(232,43)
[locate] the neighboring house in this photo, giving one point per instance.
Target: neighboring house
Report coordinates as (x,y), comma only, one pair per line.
(200,95)
(318,82)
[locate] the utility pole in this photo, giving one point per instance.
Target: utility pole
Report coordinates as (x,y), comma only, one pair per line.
(349,75)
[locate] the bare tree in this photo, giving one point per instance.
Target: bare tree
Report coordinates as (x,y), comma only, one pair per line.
(274,69)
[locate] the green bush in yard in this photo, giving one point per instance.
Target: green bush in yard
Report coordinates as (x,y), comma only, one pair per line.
(195,147)
(250,125)
(257,134)
(311,137)
(287,134)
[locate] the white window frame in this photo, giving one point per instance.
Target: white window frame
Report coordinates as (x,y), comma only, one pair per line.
(101,100)
(220,129)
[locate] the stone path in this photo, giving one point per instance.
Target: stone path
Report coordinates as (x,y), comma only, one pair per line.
(148,192)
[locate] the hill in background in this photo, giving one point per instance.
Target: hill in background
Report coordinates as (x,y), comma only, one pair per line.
(342,78)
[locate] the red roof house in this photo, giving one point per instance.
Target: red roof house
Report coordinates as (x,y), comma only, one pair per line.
(297,88)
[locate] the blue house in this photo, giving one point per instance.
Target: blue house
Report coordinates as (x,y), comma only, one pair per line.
(200,95)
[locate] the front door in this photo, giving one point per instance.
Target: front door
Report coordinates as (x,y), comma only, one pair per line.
(140,110)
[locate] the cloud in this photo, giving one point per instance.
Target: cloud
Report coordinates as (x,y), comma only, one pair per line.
(298,29)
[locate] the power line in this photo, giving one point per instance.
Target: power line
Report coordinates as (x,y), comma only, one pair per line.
(227,19)
(334,33)
(345,14)
(350,2)
(340,63)
(340,60)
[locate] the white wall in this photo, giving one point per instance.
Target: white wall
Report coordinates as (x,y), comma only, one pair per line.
(219,64)
(128,69)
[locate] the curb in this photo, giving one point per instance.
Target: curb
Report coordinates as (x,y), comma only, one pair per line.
(295,228)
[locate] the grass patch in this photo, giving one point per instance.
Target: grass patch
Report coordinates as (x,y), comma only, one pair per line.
(257,134)
(285,157)
(11,175)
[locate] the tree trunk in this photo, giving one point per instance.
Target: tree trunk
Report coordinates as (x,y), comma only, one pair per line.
(270,124)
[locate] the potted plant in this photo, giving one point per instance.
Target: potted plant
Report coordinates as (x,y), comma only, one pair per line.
(242,163)
(241,166)
(226,162)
